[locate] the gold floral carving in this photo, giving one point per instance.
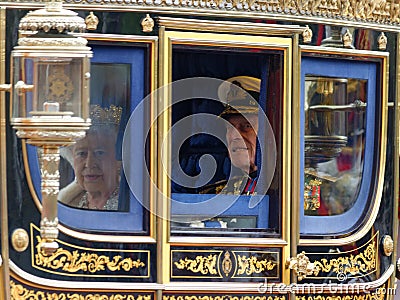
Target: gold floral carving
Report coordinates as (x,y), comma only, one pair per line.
(381,11)
(20,292)
(223,297)
(362,262)
(75,261)
(301,265)
(201,264)
(251,265)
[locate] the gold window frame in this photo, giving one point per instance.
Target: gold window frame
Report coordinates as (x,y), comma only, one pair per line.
(287,42)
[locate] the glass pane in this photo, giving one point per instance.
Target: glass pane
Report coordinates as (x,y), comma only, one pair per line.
(335,125)
(225,155)
(119,81)
(90,176)
(47,84)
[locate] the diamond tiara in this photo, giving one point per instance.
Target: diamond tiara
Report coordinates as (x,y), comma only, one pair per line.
(106,116)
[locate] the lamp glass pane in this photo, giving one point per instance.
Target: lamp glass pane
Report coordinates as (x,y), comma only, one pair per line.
(47,83)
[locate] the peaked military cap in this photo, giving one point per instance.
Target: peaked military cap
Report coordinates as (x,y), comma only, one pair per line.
(240,95)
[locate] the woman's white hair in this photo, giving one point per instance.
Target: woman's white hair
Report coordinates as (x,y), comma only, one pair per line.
(68,152)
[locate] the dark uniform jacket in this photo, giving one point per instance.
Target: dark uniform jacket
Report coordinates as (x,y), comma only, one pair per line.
(239,184)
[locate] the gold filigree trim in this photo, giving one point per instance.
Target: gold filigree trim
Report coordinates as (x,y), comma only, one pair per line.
(252,265)
(20,292)
(201,264)
(74,261)
(361,11)
(223,297)
(363,262)
(379,294)
(55,42)
(219,263)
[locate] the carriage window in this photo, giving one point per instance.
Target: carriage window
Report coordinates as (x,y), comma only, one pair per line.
(91,168)
(335,126)
(342,142)
(225,154)
(94,193)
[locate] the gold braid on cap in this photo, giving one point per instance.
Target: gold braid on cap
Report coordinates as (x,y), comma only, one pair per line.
(236,92)
(106,116)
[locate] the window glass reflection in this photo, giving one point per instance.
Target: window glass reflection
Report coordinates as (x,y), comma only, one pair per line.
(334,143)
(91,175)
(95,164)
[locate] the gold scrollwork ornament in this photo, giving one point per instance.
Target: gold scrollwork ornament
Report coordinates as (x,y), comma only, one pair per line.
(201,264)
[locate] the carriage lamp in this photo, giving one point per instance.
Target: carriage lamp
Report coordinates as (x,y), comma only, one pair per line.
(50,96)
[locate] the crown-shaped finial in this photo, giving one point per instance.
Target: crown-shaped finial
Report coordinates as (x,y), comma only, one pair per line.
(106,116)
(91,21)
(147,24)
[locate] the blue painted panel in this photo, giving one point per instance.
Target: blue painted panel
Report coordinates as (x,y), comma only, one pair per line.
(227,205)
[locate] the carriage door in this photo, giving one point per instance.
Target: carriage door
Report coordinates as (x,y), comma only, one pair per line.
(227,215)
(343,143)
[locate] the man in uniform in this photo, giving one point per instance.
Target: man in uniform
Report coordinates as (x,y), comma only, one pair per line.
(240,94)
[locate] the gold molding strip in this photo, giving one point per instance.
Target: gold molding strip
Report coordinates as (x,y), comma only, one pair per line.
(379,294)
(224,297)
(279,288)
(4,237)
(229,26)
(21,292)
(71,260)
(383,15)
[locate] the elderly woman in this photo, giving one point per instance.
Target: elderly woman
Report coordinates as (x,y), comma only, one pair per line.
(97,171)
